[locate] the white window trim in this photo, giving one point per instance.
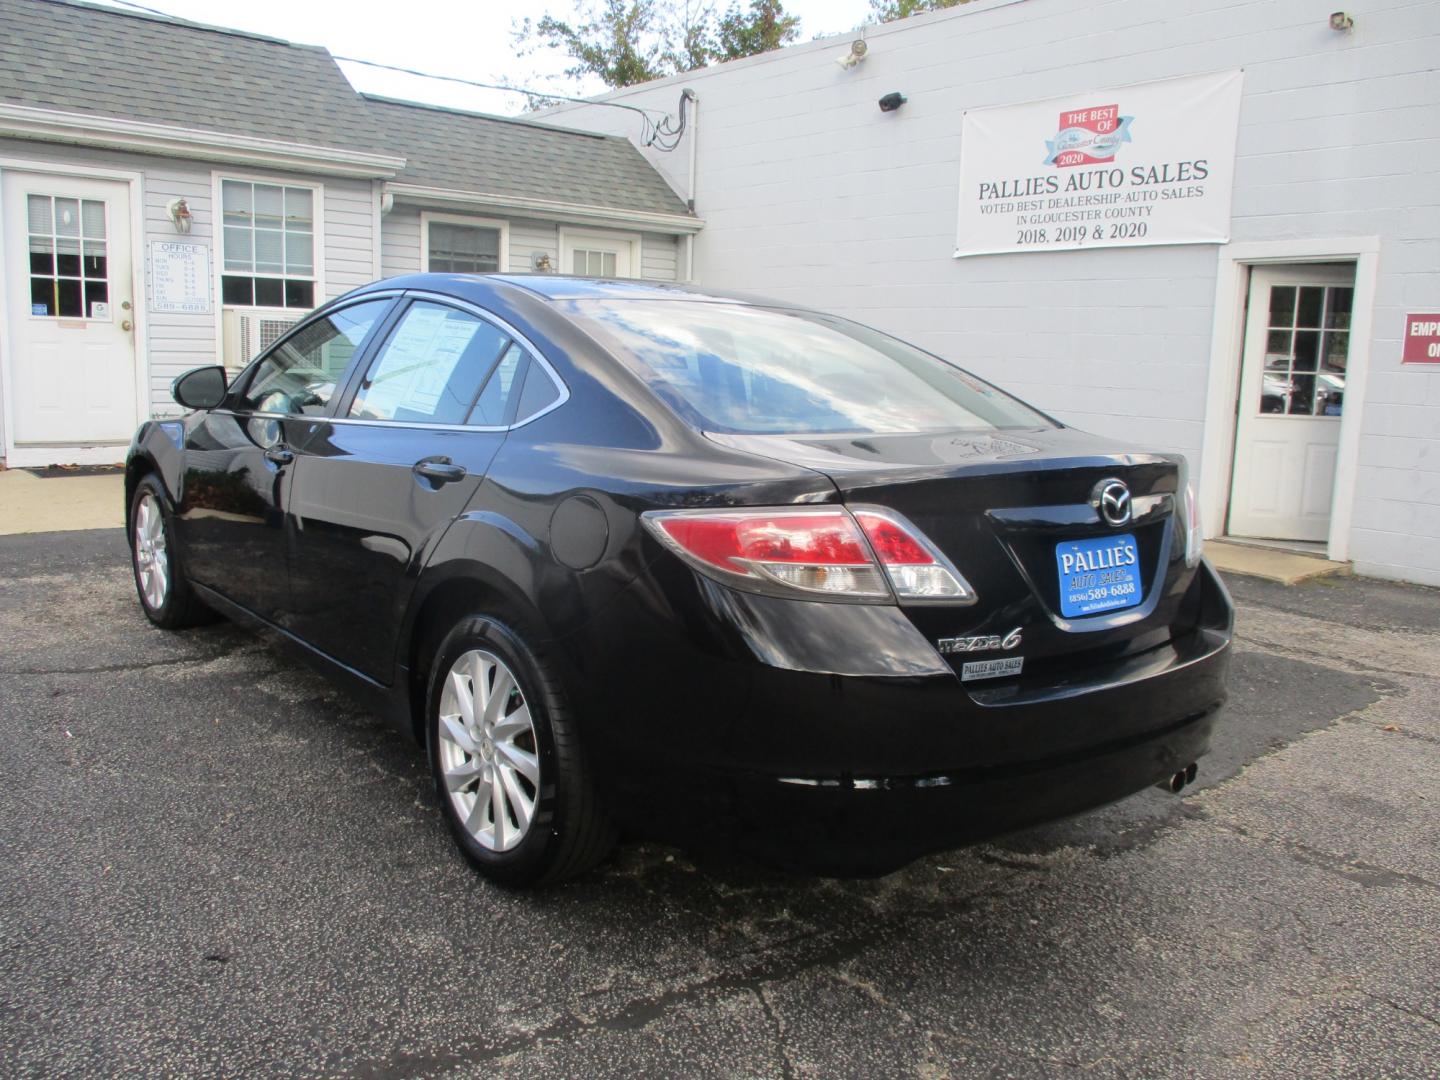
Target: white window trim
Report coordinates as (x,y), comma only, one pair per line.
(217,243)
(583,237)
(427,216)
(217,228)
(144,408)
(1232,285)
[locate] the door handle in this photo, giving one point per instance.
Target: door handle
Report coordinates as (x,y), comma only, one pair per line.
(279,455)
(439,470)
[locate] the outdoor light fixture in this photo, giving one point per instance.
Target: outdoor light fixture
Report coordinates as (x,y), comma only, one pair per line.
(1341,21)
(857,52)
(540,262)
(180,215)
(891,102)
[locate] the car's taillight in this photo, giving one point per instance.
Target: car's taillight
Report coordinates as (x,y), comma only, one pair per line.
(815,552)
(1194,536)
(916,570)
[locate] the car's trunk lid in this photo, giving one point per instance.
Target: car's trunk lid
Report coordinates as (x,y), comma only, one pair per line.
(1001,506)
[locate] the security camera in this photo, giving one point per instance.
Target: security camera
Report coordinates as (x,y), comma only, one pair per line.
(857,52)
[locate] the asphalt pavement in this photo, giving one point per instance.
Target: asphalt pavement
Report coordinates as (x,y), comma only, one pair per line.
(211,863)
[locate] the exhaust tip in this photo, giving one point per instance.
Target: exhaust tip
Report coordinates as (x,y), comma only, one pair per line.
(1176,782)
(1190,772)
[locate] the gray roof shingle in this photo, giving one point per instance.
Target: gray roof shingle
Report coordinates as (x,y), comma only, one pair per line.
(464,151)
(78,58)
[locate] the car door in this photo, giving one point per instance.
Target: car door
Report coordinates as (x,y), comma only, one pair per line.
(377,485)
(239,458)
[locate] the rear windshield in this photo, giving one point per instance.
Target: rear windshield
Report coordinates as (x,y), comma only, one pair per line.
(747,370)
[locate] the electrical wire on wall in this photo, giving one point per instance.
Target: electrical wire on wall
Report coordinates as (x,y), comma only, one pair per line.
(663,134)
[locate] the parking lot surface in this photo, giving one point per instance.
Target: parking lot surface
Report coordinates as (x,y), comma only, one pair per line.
(213,864)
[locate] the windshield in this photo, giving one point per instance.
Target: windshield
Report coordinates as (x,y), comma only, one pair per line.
(745,370)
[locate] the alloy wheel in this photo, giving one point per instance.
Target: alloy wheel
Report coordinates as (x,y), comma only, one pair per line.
(488,752)
(152,561)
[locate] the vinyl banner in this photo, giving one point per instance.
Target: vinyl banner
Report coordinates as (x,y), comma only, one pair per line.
(1146,164)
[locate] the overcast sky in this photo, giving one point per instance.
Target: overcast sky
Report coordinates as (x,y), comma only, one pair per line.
(470,39)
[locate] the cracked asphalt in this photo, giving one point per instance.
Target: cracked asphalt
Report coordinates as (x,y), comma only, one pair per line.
(212,864)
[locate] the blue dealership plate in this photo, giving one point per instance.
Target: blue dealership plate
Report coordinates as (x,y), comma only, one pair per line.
(1100,574)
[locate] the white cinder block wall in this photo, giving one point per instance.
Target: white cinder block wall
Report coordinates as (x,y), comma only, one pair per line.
(811,194)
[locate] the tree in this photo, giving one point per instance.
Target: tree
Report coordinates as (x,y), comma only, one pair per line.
(624,42)
(890,10)
(760,28)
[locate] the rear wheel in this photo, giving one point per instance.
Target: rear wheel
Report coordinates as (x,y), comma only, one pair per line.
(165,594)
(514,787)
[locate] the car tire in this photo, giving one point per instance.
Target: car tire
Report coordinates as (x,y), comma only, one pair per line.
(513,783)
(166,595)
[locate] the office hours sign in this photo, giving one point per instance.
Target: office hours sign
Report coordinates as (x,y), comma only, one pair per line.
(1147,164)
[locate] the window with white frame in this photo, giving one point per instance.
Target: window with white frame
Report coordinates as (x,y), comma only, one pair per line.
(268,244)
(453,244)
(599,254)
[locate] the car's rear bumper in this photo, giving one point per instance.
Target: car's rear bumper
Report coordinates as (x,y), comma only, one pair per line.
(872,824)
(860,774)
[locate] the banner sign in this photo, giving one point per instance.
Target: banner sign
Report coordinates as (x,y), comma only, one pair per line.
(1146,164)
(1422,340)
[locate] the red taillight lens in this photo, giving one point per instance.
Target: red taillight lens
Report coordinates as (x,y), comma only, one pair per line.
(892,543)
(828,552)
(916,571)
(730,541)
(818,551)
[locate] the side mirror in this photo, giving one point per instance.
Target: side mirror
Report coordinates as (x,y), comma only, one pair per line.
(200,388)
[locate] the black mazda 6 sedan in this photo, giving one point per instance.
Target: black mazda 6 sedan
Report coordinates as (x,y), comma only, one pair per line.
(699,567)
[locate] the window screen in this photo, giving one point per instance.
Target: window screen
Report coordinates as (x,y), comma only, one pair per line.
(463,249)
(430,368)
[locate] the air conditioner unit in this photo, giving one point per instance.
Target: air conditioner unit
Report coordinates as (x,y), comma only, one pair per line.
(249,331)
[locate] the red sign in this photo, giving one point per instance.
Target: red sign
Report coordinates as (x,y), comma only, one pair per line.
(1088,136)
(1422,340)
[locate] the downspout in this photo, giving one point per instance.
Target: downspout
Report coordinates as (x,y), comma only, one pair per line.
(694,99)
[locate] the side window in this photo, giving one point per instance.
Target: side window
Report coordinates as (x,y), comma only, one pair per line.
(430,369)
(492,408)
(538,394)
(301,374)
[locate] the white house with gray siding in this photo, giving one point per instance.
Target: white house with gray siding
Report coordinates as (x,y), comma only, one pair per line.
(172,193)
(810,192)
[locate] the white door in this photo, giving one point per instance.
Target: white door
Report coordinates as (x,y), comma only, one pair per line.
(611,255)
(1292,392)
(70,347)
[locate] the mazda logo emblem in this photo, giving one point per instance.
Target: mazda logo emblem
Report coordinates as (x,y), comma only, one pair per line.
(1112,499)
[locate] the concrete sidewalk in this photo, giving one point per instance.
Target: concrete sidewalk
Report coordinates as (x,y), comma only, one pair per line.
(29,504)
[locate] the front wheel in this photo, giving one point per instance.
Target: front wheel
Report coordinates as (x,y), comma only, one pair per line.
(165,594)
(514,787)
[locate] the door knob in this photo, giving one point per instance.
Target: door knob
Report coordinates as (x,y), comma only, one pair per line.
(439,470)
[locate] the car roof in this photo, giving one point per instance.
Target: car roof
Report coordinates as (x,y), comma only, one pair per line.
(560,287)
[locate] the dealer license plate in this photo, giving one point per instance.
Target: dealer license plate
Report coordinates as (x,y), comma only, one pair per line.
(1099,574)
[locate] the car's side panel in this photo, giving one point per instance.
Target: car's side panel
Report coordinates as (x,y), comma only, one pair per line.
(231,512)
(365,523)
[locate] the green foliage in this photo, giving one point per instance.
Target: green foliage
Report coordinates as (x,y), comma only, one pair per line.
(762,26)
(624,42)
(890,10)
